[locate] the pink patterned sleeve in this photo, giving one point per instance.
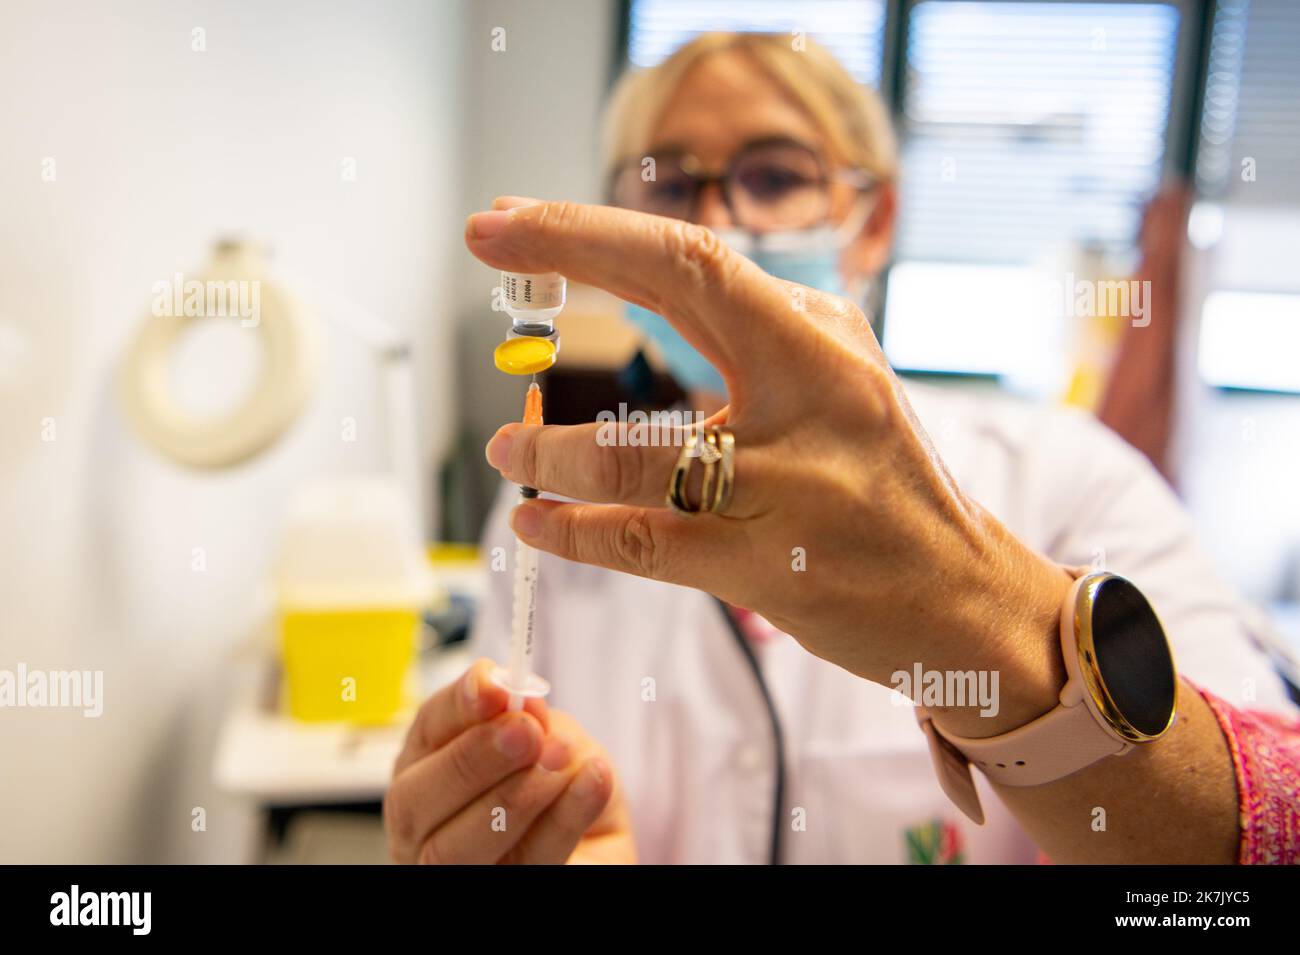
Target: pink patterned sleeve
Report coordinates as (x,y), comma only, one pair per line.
(1266,757)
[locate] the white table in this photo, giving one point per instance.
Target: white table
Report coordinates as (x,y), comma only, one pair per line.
(266,755)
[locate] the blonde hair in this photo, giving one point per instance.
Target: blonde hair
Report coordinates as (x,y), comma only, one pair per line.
(851,117)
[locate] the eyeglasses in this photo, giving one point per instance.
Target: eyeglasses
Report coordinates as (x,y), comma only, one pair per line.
(769,184)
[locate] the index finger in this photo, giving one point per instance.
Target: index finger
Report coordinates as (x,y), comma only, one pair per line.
(713,295)
(474,698)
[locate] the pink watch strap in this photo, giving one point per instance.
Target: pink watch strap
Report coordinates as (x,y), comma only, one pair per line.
(1056,744)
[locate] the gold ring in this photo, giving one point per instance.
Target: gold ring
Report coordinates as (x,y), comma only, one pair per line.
(709,457)
(717,453)
(681,473)
(724,442)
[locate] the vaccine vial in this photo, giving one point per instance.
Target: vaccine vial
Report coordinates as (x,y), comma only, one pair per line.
(532,301)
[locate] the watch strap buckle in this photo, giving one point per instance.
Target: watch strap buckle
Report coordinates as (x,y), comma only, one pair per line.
(952,769)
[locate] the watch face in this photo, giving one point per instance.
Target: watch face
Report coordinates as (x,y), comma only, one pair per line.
(1132,658)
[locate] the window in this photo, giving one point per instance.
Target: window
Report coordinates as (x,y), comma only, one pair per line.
(1250,128)
(851,29)
(1029,123)
(1250,340)
(1246,166)
(1030,130)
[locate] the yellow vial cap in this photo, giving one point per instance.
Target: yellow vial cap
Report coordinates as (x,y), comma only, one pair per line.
(524,355)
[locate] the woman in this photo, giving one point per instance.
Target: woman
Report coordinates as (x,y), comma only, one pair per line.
(687,730)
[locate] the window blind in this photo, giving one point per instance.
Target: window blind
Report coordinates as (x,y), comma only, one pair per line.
(1029,124)
(851,29)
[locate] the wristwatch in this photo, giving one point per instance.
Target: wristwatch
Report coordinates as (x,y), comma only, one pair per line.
(1121,691)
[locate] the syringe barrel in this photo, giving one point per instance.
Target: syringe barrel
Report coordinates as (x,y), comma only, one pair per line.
(532,300)
(519,662)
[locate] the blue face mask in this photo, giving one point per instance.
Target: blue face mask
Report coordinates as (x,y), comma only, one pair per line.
(809,257)
(687,366)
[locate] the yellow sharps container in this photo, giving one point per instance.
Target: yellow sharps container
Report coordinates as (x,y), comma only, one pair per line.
(352,582)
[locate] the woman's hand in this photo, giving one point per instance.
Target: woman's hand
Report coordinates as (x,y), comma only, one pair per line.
(845,530)
(832,469)
(475,784)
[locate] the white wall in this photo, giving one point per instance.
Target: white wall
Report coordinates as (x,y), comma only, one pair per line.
(158,149)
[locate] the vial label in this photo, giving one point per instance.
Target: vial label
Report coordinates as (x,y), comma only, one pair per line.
(525,292)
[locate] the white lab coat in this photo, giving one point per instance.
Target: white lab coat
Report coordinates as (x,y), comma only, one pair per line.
(654,673)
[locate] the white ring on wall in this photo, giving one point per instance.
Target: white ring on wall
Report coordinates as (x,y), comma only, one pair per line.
(224,440)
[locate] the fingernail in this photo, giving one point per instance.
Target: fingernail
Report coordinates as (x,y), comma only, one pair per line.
(486,225)
(469,690)
(555,755)
(498,450)
(514,202)
(526,521)
(591,780)
(514,740)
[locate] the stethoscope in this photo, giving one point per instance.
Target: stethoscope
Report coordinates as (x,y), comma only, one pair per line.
(777,839)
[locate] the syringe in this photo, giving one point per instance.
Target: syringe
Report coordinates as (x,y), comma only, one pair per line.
(518,676)
(532,301)
(519,668)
